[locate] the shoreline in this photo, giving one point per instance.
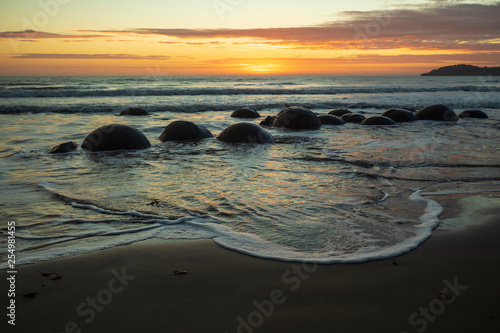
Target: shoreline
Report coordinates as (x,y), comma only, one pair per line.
(448,284)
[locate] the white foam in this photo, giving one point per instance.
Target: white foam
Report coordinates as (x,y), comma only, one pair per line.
(453,192)
(209,227)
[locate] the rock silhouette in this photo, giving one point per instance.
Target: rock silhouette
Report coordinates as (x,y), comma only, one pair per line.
(115,137)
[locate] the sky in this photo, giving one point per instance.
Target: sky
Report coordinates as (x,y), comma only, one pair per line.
(245,37)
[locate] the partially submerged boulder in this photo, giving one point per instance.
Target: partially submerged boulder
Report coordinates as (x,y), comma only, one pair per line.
(245,113)
(115,137)
(378,120)
(339,112)
(400,115)
(181,130)
(353,118)
(437,112)
(134,112)
(64,148)
(269,121)
(298,118)
(473,114)
(331,120)
(245,133)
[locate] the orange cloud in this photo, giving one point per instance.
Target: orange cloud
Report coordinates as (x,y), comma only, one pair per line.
(454,26)
(87,56)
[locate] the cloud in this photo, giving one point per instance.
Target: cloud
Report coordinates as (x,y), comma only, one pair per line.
(32,34)
(435,25)
(88,56)
(441,24)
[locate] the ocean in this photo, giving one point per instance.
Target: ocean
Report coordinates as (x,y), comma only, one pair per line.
(346,193)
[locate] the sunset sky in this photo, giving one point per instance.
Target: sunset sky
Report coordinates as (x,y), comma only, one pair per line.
(245,37)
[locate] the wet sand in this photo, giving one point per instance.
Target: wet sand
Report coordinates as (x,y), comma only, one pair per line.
(449,284)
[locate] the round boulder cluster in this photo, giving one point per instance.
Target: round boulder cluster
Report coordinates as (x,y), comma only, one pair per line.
(245,133)
(115,137)
(118,137)
(184,130)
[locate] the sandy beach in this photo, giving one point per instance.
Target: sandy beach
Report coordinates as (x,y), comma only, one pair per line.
(449,284)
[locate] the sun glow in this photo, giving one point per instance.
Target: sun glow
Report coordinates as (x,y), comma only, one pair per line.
(265,68)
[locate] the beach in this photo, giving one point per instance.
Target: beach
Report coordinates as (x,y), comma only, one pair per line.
(448,284)
(347,228)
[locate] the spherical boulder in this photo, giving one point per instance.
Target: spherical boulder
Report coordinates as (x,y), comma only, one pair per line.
(378,120)
(181,130)
(245,113)
(331,120)
(438,112)
(473,114)
(353,118)
(269,121)
(115,137)
(134,112)
(245,133)
(400,115)
(298,118)
(339,112)
(64,148)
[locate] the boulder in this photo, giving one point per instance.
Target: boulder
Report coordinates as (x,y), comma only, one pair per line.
(64,148)
(269,121)
(134,112)
(245,113)
(331,120)
(378,120)
(184,130)
(473,114)
(438,112)
(339,112)
(353,118)
(115,137)
(245,133)
(298,118)
(400,115)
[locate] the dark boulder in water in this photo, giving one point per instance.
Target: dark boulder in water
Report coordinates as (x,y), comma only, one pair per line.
(438,112)
(245,133)
(134,112)
(184,130)
(331,120)
(64,148)
(353,118)
(339,112)
(473,114)
(378,120)
(245,113)
(269,121)
(400,115)
(115,137)
(298,118)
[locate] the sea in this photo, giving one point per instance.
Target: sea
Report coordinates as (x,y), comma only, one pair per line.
(340,194)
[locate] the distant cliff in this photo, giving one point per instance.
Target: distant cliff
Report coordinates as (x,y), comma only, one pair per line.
(464,70)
